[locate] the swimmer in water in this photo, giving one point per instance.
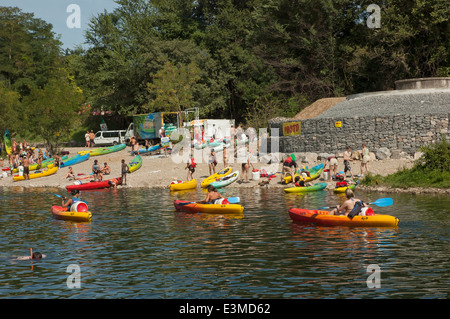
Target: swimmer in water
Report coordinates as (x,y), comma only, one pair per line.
(34,256)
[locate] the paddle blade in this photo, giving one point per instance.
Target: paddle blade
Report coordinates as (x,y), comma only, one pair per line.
(233,200)
(57,195)
(382,202)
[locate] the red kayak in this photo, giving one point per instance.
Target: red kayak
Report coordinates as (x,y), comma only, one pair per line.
(95,185)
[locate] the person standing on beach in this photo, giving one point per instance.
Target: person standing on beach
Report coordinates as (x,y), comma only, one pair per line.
(225,155)
(124,169)
(26,167)
(40,157)
(333,166)
(91,138)
(347,159)
(87,138)
(96,170)
(212,162)
(365,158)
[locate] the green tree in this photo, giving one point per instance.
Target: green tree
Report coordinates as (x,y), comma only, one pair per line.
(172,87)
(50,112)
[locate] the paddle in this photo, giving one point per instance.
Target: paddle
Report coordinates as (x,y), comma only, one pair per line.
(382,202)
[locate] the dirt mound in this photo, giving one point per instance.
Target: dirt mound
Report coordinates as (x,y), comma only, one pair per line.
(318,107)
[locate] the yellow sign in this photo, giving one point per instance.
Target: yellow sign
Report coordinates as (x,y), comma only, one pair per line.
(338,124)
(291,128)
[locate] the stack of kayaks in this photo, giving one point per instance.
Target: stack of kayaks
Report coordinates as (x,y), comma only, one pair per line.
(312,188)
(314,174)
(75,160)
(343,189)
(225,180)
(192,207)
(104,150)
(47,163)
(322,218)
(192,184)
(214,177)
(94,185)
(135,164)
(51,169)
(65,214)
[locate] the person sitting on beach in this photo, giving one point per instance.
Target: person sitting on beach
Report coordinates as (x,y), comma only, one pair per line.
(70,174)
(300,182)
(214,197)
(348,205)
(106,170)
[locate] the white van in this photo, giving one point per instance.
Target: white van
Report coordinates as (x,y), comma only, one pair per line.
(109,137)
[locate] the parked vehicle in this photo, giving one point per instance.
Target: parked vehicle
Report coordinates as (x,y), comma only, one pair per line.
(109,137)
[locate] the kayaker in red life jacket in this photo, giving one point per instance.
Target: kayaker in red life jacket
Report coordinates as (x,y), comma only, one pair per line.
(341,181)
(289,167)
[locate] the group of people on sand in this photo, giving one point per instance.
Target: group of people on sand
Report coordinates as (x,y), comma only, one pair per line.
(333,163)
(89,137)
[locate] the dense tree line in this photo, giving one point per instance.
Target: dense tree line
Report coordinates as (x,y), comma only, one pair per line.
(247,60)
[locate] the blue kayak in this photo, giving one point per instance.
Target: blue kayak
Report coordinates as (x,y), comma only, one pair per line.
(150,149)
(75,160)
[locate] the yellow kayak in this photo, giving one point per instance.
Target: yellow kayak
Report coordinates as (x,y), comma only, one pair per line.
(214,177)
(183,186)
(344,188)
(65,214)
(46,172)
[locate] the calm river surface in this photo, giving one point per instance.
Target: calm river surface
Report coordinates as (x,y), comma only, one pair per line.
(138,246)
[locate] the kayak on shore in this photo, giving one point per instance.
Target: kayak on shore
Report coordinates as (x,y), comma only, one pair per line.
(192,207)
(75,160)
(104,150)
(50,170)
(226,180)
(94,185)
(183,185)
(313,188)
(135,164)
(222,173)
(322,218)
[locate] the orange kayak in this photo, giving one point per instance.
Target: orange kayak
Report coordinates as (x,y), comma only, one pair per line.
(322,217)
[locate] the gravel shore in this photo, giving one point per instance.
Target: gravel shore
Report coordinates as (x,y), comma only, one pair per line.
(159,172)
(413,102)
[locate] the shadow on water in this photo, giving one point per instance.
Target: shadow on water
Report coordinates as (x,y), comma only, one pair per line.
(138,246)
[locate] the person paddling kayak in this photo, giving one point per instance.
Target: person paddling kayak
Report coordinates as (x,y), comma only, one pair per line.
(214,197)
(348,205)
(71,201)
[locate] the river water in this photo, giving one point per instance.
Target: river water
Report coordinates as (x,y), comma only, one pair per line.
(138,246)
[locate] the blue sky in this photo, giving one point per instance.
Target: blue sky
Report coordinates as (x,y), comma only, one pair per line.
(55,12)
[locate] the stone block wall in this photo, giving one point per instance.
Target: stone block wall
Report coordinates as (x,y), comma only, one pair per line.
(406,133)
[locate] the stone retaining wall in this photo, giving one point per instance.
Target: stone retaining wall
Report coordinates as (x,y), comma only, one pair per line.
(398,133)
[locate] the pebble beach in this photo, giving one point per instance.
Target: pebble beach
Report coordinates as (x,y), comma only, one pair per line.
(158,171)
